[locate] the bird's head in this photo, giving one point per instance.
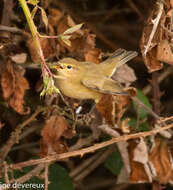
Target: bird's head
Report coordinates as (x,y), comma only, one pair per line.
(69,68)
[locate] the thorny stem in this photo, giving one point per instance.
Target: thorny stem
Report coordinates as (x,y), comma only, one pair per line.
(14,136)
(35,35)
(90,149)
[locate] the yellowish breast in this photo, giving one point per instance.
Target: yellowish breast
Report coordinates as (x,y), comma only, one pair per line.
(77,90)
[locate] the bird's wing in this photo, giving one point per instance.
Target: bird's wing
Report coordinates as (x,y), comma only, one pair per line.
(118,58)
(104,85)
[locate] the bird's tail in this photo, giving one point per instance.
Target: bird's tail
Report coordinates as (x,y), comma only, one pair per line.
(118,58)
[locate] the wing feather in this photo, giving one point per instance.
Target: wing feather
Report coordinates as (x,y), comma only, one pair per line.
(106,86)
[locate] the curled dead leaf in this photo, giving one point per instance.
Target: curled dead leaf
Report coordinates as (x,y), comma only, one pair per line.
(106,107)
(156,42)
(19,58)
(82,41)
(112,108)
(55,128)
(165,52)
(14,86)
(160,160)
(93,55)
(150,38)
(54,16)
(125,74)
(48,46)
(138,173)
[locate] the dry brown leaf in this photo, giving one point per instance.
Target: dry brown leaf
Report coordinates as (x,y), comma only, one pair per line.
(171,3)
(82,41)
(14,86)
(48,47)
(54,17)
(160,159)
(19,58)
(141,152)
(112,108)
(150,58)
(125,74)
(93,55)
(156,186)
(151,62)
(106,107)
(165,52)
(160,48)
(125,126)
(56,128)
(138,173)
(131,91)
(121,103)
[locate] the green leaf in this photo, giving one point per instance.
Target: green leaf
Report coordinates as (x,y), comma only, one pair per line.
(73,29)
(114,163)
(144,127)
(132,123)
(33,183)
(44,17)
(48,85)
(65,39)
(142,113)
(34,11)
(33,2)
(58,178)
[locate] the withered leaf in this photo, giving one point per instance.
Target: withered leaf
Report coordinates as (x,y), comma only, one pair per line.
(112,108)
(160,159)
(47,45)
(93,55)
(156,43)
(138,173)
(106,107)
(19,58)
(55,128)
(82,41)
(125,74)
(165,52)
(150,55)
(54,16)
(14,86)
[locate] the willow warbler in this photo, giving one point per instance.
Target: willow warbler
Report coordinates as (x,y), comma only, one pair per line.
(87,80)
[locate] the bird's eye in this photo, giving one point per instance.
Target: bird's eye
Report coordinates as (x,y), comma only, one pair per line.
(69,66)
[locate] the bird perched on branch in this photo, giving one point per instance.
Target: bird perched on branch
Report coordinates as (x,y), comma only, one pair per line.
(87,80)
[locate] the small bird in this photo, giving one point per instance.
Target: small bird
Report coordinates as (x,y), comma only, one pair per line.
(87,80)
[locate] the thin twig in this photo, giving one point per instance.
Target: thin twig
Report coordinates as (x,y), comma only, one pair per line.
(35,36)
(46,179)
(6,173)
(97,162)
(90,149)
(14,136)
(82,142)
(11,29)
(29,175)
(65,6)
(151,112)
(122,146)
(76,171)
(156,93)
(34,172)
(134,7)
(162,76)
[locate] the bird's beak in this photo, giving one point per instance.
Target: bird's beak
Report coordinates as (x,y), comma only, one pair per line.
(56,66)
